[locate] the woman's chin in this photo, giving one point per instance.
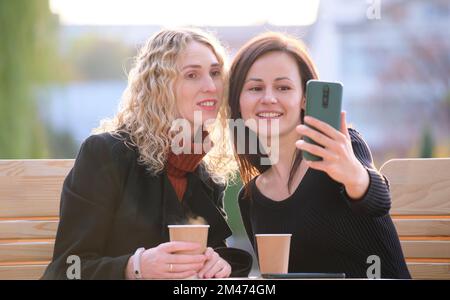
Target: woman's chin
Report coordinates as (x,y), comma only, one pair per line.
(268,131)
(208,122)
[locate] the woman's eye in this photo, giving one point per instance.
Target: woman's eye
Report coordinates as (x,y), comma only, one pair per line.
(215,73)
(284,88)
(255,89)
(191,75)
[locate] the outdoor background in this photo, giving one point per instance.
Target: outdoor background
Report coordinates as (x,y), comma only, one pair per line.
(63,66)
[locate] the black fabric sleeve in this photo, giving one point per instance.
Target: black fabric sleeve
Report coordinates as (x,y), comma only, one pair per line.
(219,198)
(87,207)
(376,201)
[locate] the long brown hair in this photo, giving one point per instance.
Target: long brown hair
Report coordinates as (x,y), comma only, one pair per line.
(250,164)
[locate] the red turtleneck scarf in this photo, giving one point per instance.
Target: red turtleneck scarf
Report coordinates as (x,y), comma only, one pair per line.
(178,165)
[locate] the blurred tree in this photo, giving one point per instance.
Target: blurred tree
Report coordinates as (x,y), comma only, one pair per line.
(27,29)
(61,143)
(426,143)
(421,73)
(99,58)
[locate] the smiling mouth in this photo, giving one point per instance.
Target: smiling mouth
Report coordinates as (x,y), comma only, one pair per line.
(208,103)
(269,115)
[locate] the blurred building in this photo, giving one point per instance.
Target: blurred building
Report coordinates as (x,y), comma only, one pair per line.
(395,68)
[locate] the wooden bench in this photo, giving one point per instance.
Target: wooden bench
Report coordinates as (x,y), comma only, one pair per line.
(30,194)
(420,190)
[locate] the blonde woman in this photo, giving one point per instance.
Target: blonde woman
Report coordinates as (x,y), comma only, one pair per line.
(128,183)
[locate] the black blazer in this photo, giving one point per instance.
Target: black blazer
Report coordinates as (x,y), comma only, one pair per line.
(110,206)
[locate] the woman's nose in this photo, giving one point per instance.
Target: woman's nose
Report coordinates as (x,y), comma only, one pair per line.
(209,86)
(268,97)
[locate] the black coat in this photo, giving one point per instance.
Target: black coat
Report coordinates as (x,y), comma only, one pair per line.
(110,206)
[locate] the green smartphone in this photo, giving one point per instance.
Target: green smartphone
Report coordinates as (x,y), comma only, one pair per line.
(323,102)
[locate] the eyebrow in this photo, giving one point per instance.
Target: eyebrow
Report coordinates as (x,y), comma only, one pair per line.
(276,79)
(199,66)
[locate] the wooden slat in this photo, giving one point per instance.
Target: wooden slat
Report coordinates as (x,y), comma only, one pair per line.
(419,186)
(35,167)
(28,229)
(426,249)
(429,270)
(26,250)
(416,217)
(422,227)
(425,238)
(32,187)
(428,260)
(19,272)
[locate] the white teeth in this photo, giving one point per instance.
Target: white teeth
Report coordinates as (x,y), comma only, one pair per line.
(207,103)
(269,114)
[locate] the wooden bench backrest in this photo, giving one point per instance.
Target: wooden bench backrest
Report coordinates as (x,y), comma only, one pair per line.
(29,208)
(30,192)
(420,190)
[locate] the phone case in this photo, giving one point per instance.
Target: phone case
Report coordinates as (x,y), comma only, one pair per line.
(323,102)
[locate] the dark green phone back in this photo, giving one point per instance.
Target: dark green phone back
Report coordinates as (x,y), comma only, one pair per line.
(323,102)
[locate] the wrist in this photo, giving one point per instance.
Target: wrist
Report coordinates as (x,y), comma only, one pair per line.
(133,268)
(129,268)
(357,188)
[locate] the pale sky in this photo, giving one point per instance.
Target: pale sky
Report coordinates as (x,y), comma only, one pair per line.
(186,12)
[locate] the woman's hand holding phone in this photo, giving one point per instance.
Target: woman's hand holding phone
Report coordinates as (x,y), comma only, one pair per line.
(339,160)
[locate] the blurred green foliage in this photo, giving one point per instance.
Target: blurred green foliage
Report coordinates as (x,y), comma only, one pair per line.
(232,208)
(27,31)
(94,57)
(426,143)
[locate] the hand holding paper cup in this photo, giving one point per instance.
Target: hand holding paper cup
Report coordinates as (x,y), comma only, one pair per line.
(190,233)
(273,252)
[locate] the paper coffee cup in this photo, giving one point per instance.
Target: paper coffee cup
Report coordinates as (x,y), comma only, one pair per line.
(273,252)
(190,233)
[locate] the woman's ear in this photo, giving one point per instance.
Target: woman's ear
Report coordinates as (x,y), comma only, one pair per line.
(303,103)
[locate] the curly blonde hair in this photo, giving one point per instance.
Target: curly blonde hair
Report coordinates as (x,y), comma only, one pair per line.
(148,105)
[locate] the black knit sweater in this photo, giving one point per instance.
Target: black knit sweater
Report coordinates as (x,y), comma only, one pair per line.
(330,231)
